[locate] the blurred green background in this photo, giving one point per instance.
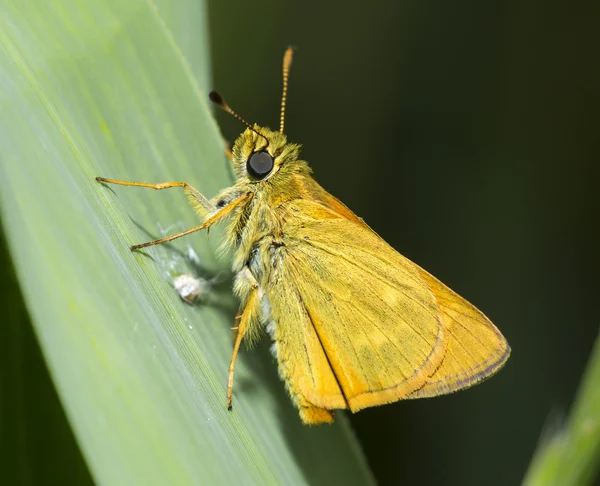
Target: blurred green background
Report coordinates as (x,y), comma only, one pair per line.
(466,134)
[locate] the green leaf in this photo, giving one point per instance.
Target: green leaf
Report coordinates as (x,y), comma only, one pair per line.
(36,442)
(106,88)
(572,457)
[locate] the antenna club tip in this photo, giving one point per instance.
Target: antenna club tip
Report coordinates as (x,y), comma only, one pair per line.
(215,98)
(287,56)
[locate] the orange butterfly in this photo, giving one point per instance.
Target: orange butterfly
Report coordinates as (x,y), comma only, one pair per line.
(354,323)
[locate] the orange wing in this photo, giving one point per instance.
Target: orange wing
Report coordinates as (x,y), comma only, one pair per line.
(357,325)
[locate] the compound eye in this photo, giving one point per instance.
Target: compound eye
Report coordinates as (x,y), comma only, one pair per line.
(260,165)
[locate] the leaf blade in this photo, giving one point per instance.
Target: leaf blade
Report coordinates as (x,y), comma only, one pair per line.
(102,89)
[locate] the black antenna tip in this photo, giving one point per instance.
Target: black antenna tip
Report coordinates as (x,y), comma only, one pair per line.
(215,98)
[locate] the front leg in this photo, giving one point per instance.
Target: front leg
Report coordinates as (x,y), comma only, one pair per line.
(190,190)
(204,207)
(208,222)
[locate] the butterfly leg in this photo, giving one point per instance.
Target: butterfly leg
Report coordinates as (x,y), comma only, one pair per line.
(203,202)
(208,222)
(250,310)
(188,189)
(228,151)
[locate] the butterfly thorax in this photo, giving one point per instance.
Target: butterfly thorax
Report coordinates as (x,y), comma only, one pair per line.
(258,229)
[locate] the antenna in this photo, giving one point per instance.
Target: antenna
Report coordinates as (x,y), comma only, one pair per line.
(218,99)
(287,62)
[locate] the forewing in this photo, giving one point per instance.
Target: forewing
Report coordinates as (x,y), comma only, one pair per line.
(388,329)
(372,312)
(475,348)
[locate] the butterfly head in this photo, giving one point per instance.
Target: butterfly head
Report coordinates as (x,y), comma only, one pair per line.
(260,153)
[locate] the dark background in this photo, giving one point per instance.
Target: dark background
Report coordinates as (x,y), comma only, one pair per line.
(466,134)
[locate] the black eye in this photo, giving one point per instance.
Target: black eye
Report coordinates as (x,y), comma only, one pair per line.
(259,165)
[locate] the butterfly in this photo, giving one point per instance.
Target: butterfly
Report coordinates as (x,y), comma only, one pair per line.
(354,323)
